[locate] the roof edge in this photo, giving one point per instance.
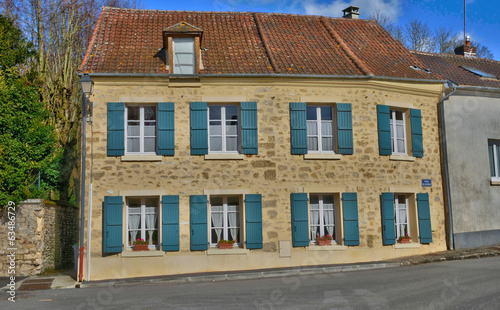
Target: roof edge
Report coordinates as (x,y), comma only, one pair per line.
(94,34)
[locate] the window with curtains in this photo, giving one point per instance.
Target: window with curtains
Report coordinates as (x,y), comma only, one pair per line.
(322,218)
(494,151)
(142,220)
(398,132)
(141,132)
(320,129)
(223,129)
(401,215)
(225,219)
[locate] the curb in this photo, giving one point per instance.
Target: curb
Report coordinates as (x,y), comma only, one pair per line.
(244,276)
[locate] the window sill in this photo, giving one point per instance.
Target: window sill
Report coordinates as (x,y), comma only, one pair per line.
(233,251)
(402,158)
(224,156)
(495,182)
(323,156)
(150,253)
(333,247)
(412,245)
(141,158)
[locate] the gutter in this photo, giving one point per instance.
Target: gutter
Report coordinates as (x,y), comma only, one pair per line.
(261,75)
(445,164)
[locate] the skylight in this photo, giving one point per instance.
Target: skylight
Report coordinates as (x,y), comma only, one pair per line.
(479,72)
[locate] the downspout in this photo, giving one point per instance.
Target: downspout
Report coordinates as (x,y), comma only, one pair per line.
(445,164)
(89,220)
(82,198)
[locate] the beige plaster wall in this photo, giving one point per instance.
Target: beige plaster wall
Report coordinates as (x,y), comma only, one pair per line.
(274,172)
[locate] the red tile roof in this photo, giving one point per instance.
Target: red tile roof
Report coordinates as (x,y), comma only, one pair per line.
(130,40)
(450,66)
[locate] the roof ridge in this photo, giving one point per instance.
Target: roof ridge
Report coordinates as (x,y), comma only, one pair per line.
(267,49)
(443,55)
(345,47)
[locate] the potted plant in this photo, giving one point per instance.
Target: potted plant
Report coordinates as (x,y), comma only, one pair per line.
(324,240)
(141,245)
(226,244)
(404,239)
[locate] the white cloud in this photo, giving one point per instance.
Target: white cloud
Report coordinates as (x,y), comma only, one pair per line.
(390,8)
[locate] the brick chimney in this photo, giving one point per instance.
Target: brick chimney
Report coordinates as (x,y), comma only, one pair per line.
(466,50)
(351,12)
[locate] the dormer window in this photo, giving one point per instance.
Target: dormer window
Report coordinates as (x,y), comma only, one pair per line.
(183,41)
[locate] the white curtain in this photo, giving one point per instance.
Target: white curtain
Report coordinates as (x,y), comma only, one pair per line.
(315,222)
(328,220)
(133,223)
(232,223)
(150,223)
(217,222)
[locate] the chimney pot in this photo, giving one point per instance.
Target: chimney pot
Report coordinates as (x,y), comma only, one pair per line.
(351,12)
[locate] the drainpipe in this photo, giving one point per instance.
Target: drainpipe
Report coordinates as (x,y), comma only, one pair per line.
(445,164)
(82,198)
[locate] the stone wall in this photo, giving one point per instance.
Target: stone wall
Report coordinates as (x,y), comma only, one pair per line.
(274,172)
(45,233)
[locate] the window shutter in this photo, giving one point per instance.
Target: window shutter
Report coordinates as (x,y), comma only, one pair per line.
(344,128)
(198,215)
(350,211)
(384,129)
(416,133)
(170,223)
(116,129)
(113,224)
(199,128)
(253,216)
(424,218)
(166,136)
(249,135)
(388,220)
(300,220)
(298,127)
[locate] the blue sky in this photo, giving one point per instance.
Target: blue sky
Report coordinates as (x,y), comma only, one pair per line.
(483,20)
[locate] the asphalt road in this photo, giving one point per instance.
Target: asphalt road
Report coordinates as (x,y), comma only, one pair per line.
(468,284)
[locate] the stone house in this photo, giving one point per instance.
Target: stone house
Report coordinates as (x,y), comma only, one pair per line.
(472,158)
(269,130)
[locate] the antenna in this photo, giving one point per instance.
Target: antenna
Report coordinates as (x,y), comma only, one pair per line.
(464,22)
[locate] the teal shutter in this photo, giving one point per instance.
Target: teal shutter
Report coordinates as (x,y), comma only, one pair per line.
(166,136)
(198,216)
(300,220)
(253,216)
(116,129)
(249,135)
(350,211)
(344,128)
(170,223)
(384,129)
(298,127)
(199,128)
(388,220)
(416,133)
(113,224)
(424,218)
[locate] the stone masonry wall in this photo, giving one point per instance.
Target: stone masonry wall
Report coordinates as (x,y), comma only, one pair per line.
(45,234)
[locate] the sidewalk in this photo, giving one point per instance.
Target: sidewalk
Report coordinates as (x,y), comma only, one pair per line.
(62,281)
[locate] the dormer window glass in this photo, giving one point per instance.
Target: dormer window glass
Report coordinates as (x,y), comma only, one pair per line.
(184,55)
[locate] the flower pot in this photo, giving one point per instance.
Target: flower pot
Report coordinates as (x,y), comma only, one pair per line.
(324,242)
(226,245)
(141,247)
(405,240)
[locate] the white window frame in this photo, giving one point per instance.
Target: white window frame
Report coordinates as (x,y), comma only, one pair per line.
(397,219)
(192,52)
(223,129)
(320,135)
(321,218)
(494,144)
(394,131)
(141,129)
(225,220)
(129,243)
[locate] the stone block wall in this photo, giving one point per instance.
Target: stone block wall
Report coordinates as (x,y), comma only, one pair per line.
(45,233)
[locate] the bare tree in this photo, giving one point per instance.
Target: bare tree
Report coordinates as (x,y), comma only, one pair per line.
(418,36)
(381,19)
(445,40)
